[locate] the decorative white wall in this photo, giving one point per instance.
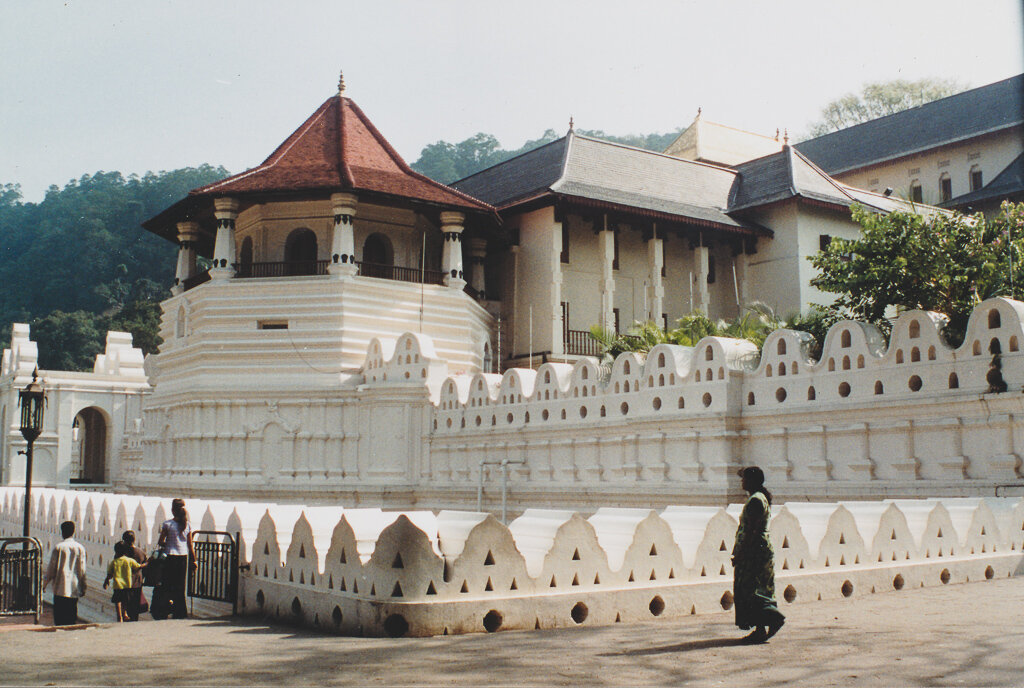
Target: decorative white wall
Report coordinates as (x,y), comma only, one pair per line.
(366,571)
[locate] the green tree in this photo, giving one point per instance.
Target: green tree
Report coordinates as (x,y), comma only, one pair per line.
(939,262)
(68,341)
(881,98)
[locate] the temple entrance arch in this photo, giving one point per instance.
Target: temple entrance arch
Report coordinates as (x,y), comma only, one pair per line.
(89,446)
(300,252)
(378,256)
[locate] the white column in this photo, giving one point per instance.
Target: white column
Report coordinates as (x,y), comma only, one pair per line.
(451,258)
(741,261)
(701,294)
(343,242)
(606,247)
(226,212)
(555,304)
(188,235)
(655,261)
(477,256)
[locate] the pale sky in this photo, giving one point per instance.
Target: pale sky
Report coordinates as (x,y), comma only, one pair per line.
(136,86)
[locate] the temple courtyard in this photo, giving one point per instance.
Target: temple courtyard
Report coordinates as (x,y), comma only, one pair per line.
(958,635)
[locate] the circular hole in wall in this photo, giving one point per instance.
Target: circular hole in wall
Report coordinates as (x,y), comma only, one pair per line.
(897,582)
(656,403)
(844,389)
(706,399)
(544,414)
(944,576)
(657,606)
(914,383)
(579,612)
(847,588)
(624,408)
(583,411)
(337,616)
(789,594)
(296,607)
(396,626)
(492,621)
(990,573)
(726,600)
(780,394)
(509,417)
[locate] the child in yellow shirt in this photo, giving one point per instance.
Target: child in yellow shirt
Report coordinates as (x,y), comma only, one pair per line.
(120,571)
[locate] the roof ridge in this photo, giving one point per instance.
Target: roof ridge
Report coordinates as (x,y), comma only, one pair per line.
(835,184)
(657,153)
(285,146)
(514,157)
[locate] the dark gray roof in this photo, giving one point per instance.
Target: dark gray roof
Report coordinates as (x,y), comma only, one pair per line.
(606,172)
(962,116)
(1005,184)
(518,178)
(788,174)
(781,176)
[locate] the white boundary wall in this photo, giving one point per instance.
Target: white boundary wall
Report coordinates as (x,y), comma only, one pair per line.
(915,419)
(365,571)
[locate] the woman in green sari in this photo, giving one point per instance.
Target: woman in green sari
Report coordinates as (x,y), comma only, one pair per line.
(753,562)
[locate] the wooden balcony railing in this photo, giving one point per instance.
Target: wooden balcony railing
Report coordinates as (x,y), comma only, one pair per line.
(289,268)
(400,274)
(580,343)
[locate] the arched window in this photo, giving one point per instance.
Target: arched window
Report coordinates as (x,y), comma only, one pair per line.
(976,180)
(916,194)
(89,446)
(245,258)
(945,187)
(378,257)
(300,252)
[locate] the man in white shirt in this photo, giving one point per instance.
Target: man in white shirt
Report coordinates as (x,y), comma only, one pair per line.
(67,571)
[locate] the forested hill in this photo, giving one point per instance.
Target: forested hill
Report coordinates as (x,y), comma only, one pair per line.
(448,162)
(78,263)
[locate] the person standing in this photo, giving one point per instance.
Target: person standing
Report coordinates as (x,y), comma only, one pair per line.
(135,598)
(67,572)
(753,561)
(176,542)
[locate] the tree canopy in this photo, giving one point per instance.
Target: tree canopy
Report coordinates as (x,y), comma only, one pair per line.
(448,162)
(881,98)
(78,263)
(943,262)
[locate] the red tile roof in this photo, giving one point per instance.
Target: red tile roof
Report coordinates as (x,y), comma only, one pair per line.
(338,148)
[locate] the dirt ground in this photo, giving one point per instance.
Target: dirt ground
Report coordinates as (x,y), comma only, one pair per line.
(960,635)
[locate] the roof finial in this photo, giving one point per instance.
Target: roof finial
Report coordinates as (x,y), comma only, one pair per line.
(785,137)
(571,124)
(776,133)
(341,84)
(699,111)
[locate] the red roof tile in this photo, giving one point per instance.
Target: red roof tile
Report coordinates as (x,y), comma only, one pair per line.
(338,148)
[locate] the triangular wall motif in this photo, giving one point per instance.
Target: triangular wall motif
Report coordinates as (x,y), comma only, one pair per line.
(513,586)
(489,559)
(575,579)
(552,584)
(631,578)
(488,587)
(785,542)
(266,548)
(302,551)
(373,589)
(397,590)
(398,563)
(431,590)
(597,579)
(342,586)
(465,587)
(576,555)
(343,561)
(721,547)
(842,540)
(654,550)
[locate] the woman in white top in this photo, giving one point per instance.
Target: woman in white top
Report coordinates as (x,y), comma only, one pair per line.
(176,542)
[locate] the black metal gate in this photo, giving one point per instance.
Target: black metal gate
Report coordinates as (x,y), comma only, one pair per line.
(216,576)
(21,577)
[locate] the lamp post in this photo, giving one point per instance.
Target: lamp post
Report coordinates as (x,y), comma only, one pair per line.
(31,399)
